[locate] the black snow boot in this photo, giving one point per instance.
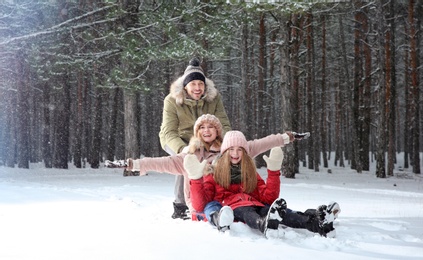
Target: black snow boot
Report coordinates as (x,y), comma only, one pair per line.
(316,223)
(313,224)
(326,215)
(180,211)
(127,173)
(264,223)
(274,217)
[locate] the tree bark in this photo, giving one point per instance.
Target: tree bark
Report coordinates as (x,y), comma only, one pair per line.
(357,97)
(111,142)
(312,93)
(414,20)
(366,109)
(47,139)
(390,85)
(79,114)
(95,155)
(381,94)
(61,124)
(293,87)
(323,120)
(23,111)
(132,144)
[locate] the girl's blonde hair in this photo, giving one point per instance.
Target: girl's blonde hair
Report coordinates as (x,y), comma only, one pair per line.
(222,172)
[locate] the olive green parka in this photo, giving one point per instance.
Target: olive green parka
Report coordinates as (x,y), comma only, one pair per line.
(180,113)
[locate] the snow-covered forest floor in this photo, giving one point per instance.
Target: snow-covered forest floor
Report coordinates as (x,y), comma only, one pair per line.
(98,214)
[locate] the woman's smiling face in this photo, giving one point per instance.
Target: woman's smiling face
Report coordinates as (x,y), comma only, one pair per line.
(208,132)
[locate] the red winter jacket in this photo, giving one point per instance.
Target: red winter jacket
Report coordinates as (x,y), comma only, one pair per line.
(206,189)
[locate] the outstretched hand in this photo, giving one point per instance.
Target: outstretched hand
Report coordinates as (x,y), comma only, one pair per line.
(193,167)
(289,137)
(274,161)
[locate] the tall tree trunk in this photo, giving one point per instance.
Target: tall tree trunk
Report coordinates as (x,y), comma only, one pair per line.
(120,126)
(252,95)
(288,99)
(345,97)
(339,150)
(381,94)
(130,20)
(273,92)
(358,87)
(390,85)
(245,80)
(11,125)
(324,128)
(111,142)
(61,124)
(23,111)
(263,107)
(131,125)
(95,155)
(47,139)
(79,114)
(35,152)
(414,20)
(365,112)
(407,99)
(312,93)
(291,92)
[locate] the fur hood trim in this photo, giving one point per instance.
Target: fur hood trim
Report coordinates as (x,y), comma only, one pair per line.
(195,144)
(178,92)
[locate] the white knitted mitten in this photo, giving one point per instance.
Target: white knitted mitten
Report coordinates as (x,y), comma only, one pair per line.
(274,161)
(193,167)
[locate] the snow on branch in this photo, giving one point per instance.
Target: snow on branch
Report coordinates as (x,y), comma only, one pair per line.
(64,26)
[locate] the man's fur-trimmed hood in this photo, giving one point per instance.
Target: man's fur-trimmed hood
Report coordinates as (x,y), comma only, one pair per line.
(178,92)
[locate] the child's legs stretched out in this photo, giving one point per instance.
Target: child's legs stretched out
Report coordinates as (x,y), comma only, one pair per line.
(248,215)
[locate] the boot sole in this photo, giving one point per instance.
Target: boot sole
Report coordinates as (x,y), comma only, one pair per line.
(274,213)
(226,218)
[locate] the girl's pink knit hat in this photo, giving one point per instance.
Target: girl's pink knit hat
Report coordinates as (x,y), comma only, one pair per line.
(234,138)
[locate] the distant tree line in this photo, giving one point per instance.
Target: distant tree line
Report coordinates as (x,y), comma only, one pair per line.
(83,81)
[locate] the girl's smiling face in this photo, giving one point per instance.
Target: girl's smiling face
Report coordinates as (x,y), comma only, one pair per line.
(235,153)
(208,132)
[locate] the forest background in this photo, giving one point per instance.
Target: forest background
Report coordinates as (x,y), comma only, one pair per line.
(82,81)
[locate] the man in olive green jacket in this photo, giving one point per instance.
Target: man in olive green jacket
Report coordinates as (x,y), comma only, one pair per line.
(191,96)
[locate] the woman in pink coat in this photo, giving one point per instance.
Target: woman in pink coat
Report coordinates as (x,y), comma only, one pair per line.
(205,145)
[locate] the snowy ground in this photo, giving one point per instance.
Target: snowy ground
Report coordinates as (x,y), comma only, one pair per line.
(98,214)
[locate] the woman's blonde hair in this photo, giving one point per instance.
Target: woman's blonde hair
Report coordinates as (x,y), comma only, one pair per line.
(222,172)
(197,142)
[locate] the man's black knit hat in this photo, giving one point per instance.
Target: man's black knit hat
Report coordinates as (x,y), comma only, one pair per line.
(193,72)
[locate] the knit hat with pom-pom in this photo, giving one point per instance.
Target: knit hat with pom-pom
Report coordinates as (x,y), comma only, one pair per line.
(234,138)
(211,119)
(193,72)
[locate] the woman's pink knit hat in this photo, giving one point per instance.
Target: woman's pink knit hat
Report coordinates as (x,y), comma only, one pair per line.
(211,119)
(234,138)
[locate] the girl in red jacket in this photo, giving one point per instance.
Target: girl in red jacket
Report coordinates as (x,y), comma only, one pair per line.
(236,185)
(205,144)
